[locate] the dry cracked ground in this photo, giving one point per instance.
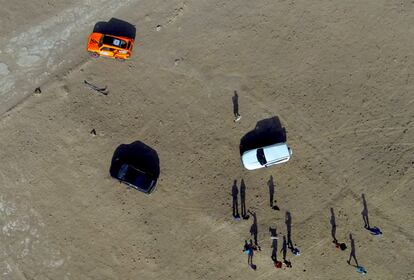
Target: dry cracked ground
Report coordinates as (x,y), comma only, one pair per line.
(337,74)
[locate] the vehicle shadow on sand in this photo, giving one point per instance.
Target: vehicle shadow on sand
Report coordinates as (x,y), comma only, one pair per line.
(140,156)
(267,132)
(115,27)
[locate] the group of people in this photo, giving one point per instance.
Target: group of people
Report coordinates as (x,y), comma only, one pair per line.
(251,247)
(342,246)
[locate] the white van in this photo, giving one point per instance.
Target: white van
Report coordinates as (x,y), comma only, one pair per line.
(266,156)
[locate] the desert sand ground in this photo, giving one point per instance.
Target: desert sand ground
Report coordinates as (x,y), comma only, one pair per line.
(337,74)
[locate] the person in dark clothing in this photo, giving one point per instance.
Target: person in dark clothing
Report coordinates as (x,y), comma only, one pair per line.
(254,229)
(234,194)
(250,255)
(333,226)
(352,254)
(243,200)
(284,252)
(364,213)
(274,238)
(235,100)
(271,186)
(284,248)
(288,222)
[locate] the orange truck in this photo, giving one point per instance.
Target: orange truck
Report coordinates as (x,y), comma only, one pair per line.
(110,46)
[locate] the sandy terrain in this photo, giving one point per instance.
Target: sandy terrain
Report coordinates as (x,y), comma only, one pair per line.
(338,75)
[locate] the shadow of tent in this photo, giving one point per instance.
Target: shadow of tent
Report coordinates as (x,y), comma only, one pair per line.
(115,27)
(138,155)
(267,132)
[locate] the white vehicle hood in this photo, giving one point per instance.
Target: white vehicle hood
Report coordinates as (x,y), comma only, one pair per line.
(250,161)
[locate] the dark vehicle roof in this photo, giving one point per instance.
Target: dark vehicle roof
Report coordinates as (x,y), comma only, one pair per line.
(135,178)
(136,165)
(132,176)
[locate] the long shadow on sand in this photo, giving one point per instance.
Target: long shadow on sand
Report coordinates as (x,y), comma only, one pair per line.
(115,27)
(267,132)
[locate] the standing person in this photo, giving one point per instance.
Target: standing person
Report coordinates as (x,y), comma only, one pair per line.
(271,186)
(338,245)
(352,254)
(254,229)
(284,248)
(373,230)
(288,222)
(243,200)
(274,238)
(235,100)
(284,251)
(250,256)
(234,194)
(364,213)
(359,268)
(333,227)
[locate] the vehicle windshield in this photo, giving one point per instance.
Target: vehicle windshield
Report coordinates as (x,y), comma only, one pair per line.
(134,177)
(109,40)
(261,156)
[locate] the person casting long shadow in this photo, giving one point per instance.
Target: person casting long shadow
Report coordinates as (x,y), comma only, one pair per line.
(271,186)
(274,238)
(249,250)
(364,213)
(338,245)
(234,194)
(274,250)
(373,230)
(284,252)
(288,222)
(254,229)
(250,255)
(352,254)
(333,226)
(235,100)
(243,200)
(271,190)
(284,248)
